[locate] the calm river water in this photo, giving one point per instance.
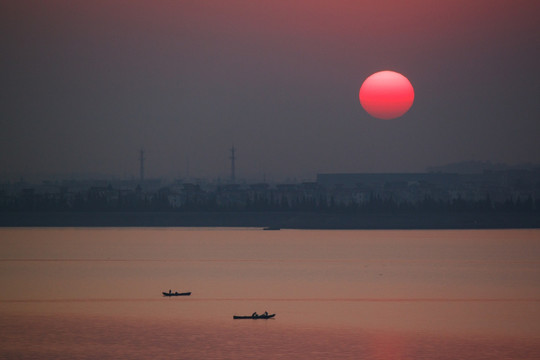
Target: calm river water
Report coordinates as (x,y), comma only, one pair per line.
(96,293)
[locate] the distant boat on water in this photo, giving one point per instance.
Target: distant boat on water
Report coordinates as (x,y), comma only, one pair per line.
(262,316)
(176,293)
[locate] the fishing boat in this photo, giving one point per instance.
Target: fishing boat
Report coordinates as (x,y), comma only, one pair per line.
(176,293)
(269,316)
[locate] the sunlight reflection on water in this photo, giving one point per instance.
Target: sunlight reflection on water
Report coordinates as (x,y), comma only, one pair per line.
(83,337)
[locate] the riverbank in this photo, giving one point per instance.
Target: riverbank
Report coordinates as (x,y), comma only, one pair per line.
(284,220)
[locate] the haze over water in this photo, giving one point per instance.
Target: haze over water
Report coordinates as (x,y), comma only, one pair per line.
(96,293)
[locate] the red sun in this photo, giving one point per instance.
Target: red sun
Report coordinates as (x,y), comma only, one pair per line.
(386,95)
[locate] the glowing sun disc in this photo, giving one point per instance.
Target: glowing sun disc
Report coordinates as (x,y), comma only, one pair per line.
(386,95)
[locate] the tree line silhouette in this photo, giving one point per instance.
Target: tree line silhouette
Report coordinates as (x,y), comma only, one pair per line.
(99,201)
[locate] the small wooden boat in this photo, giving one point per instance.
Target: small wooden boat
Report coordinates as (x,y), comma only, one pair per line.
(269,316)
(176,293)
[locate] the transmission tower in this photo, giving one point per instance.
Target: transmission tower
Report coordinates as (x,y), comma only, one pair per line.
(233,170)
(141,160)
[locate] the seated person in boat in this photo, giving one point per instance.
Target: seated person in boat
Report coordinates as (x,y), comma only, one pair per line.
(254,314)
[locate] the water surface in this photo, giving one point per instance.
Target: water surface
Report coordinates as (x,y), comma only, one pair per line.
(96,293)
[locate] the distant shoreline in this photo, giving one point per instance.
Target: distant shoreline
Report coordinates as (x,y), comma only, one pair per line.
(283,220)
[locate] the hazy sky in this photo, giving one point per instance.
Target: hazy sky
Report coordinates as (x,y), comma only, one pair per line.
(85,84)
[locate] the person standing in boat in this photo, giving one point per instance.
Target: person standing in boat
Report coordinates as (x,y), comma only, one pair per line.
(170,291)
(265,313)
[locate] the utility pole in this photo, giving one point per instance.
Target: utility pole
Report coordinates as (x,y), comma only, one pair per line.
(233,158)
